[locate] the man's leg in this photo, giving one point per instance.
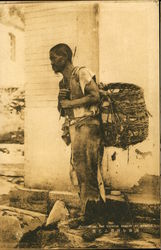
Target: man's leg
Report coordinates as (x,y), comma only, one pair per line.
(87,153)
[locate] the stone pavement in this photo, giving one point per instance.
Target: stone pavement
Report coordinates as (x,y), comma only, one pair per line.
(72,238)
(23,213)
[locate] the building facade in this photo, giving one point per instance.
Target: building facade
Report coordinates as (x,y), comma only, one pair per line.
(11,83)
(118,52)
(12,46)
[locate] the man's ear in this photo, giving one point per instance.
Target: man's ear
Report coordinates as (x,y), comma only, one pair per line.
(65,57)
(62,60)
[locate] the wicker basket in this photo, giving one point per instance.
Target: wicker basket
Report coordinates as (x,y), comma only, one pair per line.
(125,119)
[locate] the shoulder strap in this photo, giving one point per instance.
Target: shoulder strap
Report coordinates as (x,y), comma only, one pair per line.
(76,71)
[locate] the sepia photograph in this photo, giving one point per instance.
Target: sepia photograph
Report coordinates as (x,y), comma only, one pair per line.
(79,124)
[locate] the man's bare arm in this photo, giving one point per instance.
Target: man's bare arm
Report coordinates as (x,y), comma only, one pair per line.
(92,96)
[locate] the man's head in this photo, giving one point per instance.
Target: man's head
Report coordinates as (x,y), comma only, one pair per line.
(60,54)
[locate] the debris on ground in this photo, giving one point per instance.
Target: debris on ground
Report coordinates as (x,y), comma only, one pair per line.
(59,212)
(35,230)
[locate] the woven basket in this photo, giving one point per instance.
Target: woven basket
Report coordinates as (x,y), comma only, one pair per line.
(125,119)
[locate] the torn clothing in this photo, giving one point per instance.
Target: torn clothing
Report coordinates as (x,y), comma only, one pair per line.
(86,138)
(87,152)
(80,79)
(84,77)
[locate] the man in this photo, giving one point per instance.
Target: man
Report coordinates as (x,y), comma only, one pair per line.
(78,102)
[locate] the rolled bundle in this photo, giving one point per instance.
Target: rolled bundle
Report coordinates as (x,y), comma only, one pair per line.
(124,115)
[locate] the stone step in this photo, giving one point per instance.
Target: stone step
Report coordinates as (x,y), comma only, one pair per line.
(29,199)
(41,200)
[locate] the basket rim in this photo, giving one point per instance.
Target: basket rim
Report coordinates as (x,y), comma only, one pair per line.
(121,85)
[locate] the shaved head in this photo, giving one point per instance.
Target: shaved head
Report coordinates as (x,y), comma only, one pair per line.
(62,50)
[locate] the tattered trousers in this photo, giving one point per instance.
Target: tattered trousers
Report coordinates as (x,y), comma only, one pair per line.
(87,153)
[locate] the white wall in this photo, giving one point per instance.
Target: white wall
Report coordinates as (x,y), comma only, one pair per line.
(128,52)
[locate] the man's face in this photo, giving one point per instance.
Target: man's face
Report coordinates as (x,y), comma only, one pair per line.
(57,62)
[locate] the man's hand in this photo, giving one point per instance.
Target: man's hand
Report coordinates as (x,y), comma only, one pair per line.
(92,96)
(63,93)
(65,104)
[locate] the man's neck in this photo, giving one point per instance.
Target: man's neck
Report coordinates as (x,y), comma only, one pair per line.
(68,71)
